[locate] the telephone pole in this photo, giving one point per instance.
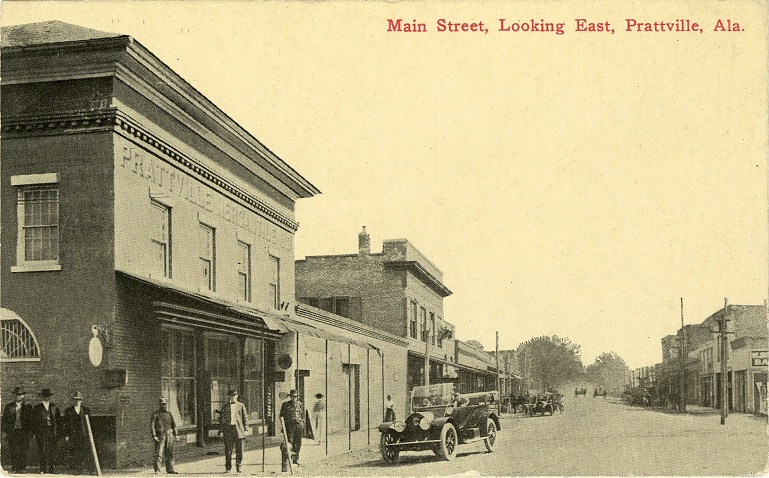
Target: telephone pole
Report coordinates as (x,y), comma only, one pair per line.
(682,385)
(722,336)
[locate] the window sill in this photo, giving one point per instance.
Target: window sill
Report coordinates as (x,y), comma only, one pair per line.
(36,267)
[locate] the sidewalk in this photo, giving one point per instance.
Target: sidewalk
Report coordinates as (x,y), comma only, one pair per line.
(310,453)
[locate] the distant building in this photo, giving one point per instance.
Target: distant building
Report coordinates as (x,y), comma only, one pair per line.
(747,361)
(397,290)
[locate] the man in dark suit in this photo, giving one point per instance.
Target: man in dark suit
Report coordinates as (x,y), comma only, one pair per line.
(17,426)
(75,433)
(233,424)
(292,412)
(47,423)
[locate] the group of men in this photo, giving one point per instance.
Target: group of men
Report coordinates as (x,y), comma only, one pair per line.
(45,422)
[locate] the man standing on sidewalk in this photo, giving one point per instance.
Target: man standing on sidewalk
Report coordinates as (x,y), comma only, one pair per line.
(76,435)
(47,422)
(17,427)
(233,424)
(292,412)
(163,428)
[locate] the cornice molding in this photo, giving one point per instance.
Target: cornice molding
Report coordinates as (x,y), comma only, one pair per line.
(111,119)
(422,274)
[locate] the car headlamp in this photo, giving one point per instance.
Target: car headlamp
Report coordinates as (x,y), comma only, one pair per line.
(398,426)
(424,423)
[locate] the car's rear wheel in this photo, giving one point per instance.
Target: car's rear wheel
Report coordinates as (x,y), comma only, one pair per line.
(449,441)
(491,435)
(389,453)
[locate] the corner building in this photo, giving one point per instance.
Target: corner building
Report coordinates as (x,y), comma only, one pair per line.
(147,240)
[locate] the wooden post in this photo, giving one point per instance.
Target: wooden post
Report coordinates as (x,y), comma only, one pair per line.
(325,411)
(427,352)
(264,409)
(93,445)
(289,449)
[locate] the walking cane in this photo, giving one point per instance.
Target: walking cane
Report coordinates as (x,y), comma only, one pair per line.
(93,445)
(289,449)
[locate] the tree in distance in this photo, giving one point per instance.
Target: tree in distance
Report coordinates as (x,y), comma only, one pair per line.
(549,361)
(607,372)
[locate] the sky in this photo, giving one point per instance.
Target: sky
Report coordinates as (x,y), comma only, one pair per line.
(578,184)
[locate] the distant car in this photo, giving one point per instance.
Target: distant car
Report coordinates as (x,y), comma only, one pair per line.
(440,420)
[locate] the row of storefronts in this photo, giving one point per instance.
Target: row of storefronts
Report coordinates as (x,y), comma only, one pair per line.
(746,363)
(148,251)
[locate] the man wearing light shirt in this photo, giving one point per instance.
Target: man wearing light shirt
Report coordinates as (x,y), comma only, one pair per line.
(233,424)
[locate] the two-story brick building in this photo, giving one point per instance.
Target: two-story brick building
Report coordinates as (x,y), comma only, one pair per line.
(398,291)
(147,240)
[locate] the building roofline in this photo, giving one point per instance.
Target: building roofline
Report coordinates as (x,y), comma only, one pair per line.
(185,92)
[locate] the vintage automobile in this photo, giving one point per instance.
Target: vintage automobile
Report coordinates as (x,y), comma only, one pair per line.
(545,404)
(440,420)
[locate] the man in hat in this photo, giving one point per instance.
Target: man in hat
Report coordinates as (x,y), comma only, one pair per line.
(163,428)
(75,431)
(233,424)
(292,412)
(17,425)
(47,422)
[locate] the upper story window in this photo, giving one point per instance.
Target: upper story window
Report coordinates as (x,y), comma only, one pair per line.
(423,323)
(160,237)
(38,222)
(432,328)
(274,284)
(17,344)
(206,254)
(413,319)
(244,270)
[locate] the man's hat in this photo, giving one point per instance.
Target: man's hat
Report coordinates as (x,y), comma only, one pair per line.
(19,391)
(293,393)
(46,392)
(77,396)
(232,392)
(163,400)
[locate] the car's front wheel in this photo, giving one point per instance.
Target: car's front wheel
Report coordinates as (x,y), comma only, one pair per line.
(389,453)
(491,435)
(449,441)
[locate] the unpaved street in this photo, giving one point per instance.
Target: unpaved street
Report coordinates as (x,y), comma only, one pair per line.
(593,437)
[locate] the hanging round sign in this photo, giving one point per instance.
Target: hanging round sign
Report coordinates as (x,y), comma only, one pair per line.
(95,351)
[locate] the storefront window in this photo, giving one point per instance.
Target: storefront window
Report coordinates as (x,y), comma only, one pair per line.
(223,361)
(178,374)
(253,393)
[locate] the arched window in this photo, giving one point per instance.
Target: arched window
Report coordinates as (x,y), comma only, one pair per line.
(17,343)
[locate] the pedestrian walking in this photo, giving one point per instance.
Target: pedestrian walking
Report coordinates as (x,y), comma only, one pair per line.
(163,428)
(233,424)
(292,412)
(17,427)
(76,435)
(47,423)
(389,409)
(319,417)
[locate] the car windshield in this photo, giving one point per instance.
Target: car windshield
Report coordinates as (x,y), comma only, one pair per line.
(432,395)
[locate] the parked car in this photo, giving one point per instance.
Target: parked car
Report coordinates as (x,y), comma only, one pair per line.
(440,420)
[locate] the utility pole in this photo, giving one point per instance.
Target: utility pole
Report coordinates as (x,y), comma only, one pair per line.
(682,385)
(496,354)
(722,336)
(427,353)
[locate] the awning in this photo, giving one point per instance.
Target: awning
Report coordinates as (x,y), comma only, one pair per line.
(288,324)
(176,305)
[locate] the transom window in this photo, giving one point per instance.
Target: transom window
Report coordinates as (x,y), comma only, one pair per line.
(17,344)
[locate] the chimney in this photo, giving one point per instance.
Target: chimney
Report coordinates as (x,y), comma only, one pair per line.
(364,242)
